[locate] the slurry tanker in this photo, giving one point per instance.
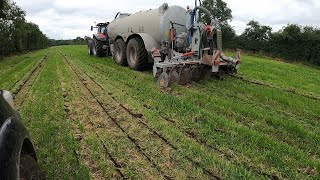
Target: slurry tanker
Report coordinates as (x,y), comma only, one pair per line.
(173,39)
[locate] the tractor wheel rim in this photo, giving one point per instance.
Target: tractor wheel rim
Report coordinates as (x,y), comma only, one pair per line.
(118,55)
(132,55)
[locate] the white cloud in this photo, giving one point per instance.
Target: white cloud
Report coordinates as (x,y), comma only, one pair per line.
(65,19)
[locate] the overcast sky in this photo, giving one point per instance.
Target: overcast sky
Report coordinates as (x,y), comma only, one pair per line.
(68,19)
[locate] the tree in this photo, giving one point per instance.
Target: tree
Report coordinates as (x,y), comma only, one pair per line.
(255,31)
(229,37)
(255,36)
(16,34)
(219,9)
(1,9)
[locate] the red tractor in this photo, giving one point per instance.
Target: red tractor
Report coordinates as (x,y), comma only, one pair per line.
(99,45)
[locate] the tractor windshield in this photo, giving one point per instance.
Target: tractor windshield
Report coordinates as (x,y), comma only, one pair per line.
(101,29)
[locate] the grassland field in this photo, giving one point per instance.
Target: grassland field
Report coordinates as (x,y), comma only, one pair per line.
(92,119)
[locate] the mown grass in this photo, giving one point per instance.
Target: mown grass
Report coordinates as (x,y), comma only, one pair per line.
(44,116)
(281,140)
(295,77)
(187,147)
(233,128)
(134,165)
(13,69)
(162,154)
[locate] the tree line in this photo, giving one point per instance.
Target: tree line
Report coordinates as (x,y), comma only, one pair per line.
(76,41)
(16,34)
(293,42)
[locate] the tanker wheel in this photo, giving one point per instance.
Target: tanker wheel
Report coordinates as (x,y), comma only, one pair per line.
(163,80)
(205,72)
(90,47)
(174,77)
(184,76)
(137,55)
(100,52)
(196,76)
(119,54)
(221,74)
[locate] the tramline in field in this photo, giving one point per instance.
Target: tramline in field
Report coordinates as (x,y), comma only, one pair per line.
(180,47)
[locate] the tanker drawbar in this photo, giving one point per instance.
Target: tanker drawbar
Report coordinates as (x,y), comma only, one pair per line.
(181,48)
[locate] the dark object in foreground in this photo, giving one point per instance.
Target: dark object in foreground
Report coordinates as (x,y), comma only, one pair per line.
(18,158)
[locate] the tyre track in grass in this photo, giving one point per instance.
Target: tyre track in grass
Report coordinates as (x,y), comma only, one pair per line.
(78,136)
(44,116)
(16,87)
(24,87)
(284,121)
(142,121)
(140,118)
(114,120)
(16,61)
(107,152)
(117,164)
(258,169)
(153,133)
(293,91)
(10,80)
(12,66)
(249,99)
(191,135)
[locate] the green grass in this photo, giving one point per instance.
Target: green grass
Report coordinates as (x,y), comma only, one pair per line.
(295,77)
(44,116)
(233,128)
(13,69)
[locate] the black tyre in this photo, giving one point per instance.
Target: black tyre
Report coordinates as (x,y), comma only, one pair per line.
(119,54)
(137,55)
(90,47)
(100,52)
(29,169)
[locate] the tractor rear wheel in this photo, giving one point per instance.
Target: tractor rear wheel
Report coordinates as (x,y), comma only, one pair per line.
(137,55)
(119,54)
(100,52)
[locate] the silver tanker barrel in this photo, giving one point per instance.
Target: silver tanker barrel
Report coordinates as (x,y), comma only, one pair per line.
(155,23)
(149,29)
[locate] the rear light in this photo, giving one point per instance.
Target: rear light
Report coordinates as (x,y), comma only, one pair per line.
(8,97)
(217,63)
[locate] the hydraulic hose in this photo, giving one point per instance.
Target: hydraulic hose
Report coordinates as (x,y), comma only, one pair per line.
(229,59)
(193,15)
(204,10)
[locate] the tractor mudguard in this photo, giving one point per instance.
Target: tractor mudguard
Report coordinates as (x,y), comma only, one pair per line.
(149,41)
(100,37)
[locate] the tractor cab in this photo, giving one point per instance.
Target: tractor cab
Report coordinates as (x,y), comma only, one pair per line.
(101,28)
